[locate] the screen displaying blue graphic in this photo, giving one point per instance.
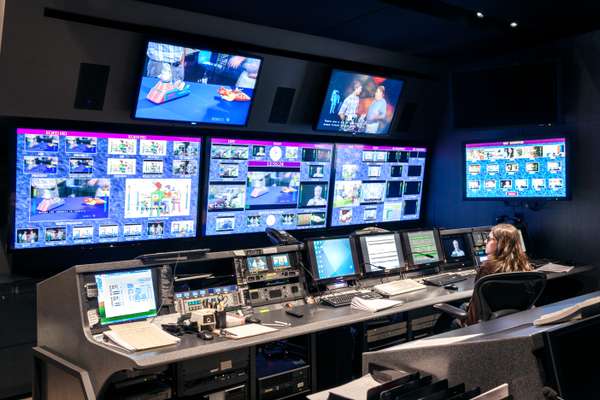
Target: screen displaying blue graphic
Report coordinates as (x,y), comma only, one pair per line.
(333,258)
(79,188)
(196,85)
(254,184)
(377,184)
(516,169)
(359,104)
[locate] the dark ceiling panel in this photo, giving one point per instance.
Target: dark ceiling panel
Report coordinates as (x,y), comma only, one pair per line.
(431,28)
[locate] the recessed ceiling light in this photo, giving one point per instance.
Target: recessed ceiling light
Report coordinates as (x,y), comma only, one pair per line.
(514,24)
(480,14)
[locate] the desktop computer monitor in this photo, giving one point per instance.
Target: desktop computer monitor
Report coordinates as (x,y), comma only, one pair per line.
(381,253)
(479,238)
(332,258)
(125,296)
(458,247)
(422,248)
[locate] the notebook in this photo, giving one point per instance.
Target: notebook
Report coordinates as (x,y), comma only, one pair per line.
(244,331)
(143,335)
(373,305)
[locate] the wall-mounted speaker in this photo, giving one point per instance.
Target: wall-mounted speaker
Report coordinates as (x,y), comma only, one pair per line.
(91,87)
(282,105)
(407,116)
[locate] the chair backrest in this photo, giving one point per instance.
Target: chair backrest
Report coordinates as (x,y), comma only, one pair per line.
(505,293)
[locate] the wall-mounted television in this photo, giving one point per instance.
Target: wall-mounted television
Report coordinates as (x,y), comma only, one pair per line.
(255,184)
(86,188)
(196,86)
(534,169)
(359,104)
(374,184)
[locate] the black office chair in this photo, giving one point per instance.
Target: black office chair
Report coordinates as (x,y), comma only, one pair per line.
(501,294)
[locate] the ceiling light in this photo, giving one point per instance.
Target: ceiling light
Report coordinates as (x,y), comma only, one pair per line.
(480,14)
(514,24)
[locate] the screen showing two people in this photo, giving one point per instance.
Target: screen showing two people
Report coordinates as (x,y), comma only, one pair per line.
(93,187)
(528,168)
(359,104)
(196,85)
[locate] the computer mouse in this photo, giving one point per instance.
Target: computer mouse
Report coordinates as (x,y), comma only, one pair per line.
(205,335)
(252,320)
(451,287)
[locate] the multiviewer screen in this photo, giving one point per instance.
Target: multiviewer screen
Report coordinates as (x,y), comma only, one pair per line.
(377,184)
(333,258)
(528,168)
(422,247)
(91,187)
(254,184)
(382,252)
(125,296)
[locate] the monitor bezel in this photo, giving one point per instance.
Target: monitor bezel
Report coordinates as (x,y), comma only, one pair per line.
(309,244)
(13,124)
(325,89)
(384,224)
(408,253)
(364,255)
(568,161)
(190,44)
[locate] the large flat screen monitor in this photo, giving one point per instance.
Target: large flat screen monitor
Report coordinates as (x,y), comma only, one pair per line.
(194,85)
(377,184)
(422,248)
(332,258)
(125,296)
(381,253)
(517,169)
(255,184)
(359,104)
(82,188)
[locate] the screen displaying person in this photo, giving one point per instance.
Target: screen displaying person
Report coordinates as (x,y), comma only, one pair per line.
(317,199)
(456,250)
(249,73)
(376,114)
(165,62)
(349,107)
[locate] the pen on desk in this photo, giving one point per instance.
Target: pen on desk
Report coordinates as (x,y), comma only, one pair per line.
(283,323)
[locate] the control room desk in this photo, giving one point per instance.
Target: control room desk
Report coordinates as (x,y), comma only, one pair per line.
(69,360)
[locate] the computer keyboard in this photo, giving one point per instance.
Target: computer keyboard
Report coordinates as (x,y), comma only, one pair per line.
(445,279)
(344,298)
(398,287)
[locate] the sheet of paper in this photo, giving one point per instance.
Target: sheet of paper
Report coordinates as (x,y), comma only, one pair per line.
(244,331)
(356,389)
(551,267)
(374,304)
(498,393)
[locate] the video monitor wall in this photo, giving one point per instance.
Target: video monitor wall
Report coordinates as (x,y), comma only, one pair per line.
(255,184)
(359,104)
(517,169)
(375,184)
(196,85)
(80,188)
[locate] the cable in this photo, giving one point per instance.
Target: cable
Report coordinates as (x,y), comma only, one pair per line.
(313,278)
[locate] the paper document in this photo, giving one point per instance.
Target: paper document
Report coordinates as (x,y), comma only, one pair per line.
(551,267)
(374,304)
(498,393)
(567,313)
(142,335)
(356,389)
(244,331)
